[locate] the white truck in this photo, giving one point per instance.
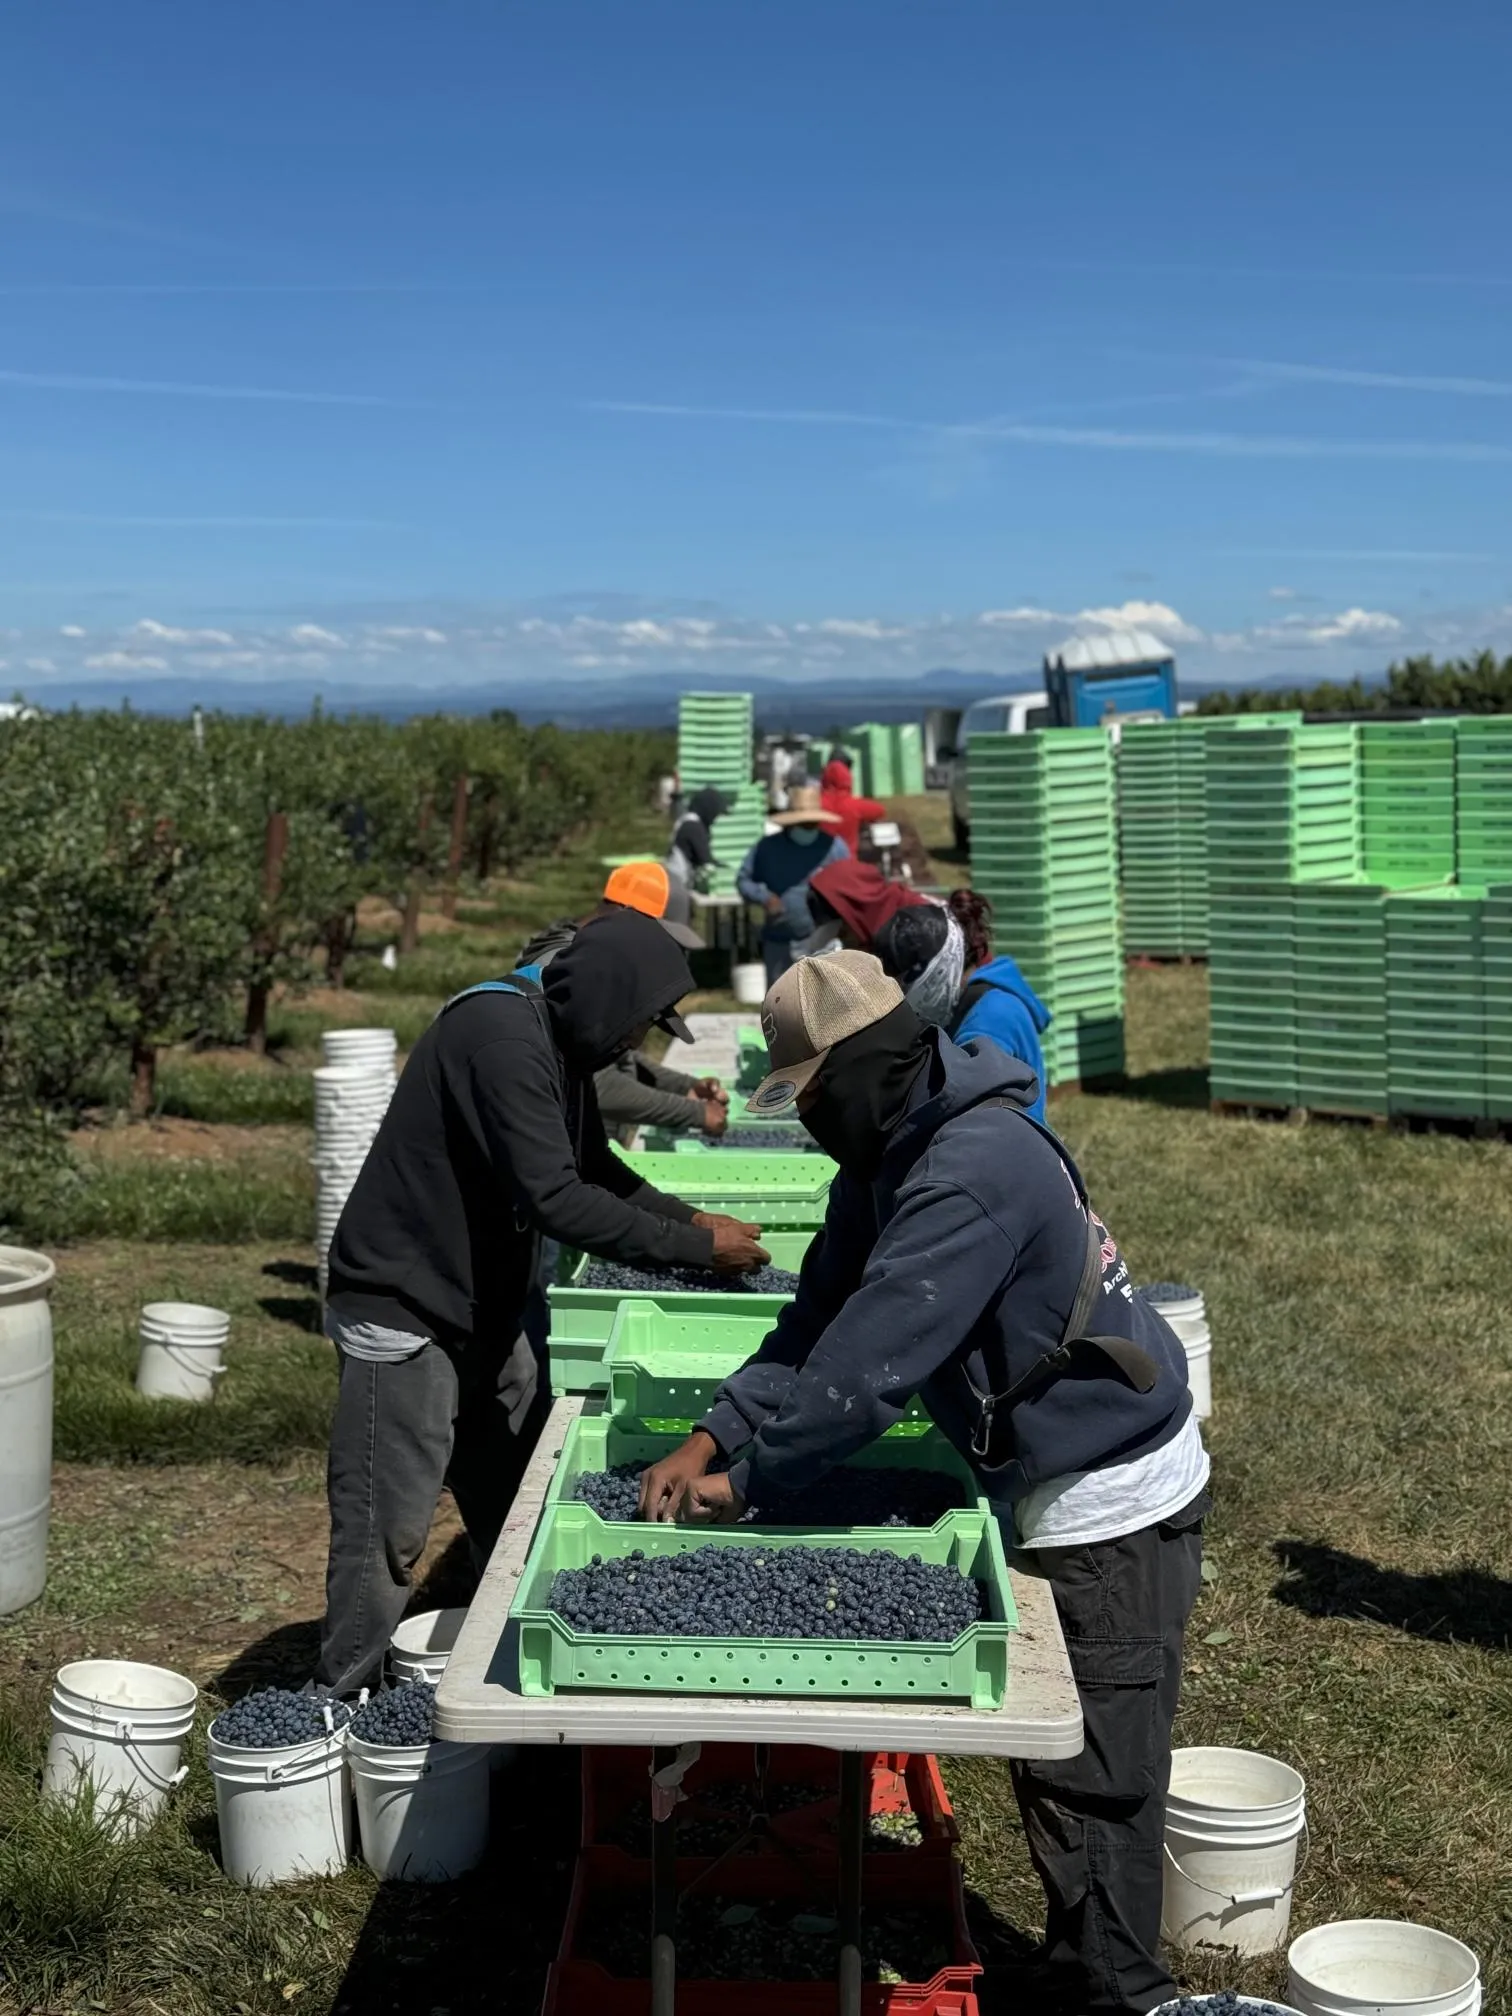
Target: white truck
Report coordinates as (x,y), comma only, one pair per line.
(1006,714)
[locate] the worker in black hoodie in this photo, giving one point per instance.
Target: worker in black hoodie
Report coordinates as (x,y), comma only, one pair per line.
(493,1139)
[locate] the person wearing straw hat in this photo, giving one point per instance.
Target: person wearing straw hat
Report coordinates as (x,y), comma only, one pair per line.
(492,1140)
(961,1263)
(776,873)
(636,1091)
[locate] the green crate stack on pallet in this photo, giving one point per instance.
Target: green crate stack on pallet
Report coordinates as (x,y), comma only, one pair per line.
(1339,968)
(1151,840)
(714,746)
(908,758)
(1252,995)
(1483,797)
(1436,1002)
(1191,833)
(1496,998)
(871,743)
(1407,817)
(1044,852)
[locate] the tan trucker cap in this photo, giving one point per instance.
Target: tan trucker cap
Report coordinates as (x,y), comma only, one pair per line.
(815,1005)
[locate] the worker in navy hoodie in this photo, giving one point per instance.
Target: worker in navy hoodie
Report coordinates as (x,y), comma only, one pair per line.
(962,1263)
(777,871)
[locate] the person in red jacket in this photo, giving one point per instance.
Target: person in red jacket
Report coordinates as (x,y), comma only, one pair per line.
(837,794)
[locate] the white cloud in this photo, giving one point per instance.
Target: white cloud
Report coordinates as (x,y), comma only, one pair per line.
(1009,619)
(312,633)
(1282,594)
(1156,616)
(72,630)
(153,632)
(40,665)
(403,633)
(126,661)
(1363,626)
(866,627)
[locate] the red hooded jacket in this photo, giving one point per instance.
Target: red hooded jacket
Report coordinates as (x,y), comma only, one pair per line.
(836,795)
(862,898)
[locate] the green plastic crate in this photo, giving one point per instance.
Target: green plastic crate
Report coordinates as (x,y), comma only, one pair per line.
(771,1189)
(553,1656)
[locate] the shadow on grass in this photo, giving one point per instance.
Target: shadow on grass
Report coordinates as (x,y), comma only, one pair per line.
(1007,1952)
(283,1657)
(302,1311)
(1187,1087)
(1467,1606)
(483,1943)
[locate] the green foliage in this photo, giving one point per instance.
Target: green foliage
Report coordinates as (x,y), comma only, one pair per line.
(1478,685)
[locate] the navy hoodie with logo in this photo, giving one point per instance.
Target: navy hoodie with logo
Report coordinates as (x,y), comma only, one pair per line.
(959,1263)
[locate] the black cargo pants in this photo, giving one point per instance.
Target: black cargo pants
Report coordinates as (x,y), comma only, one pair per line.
(402,1429)
(1096,1823)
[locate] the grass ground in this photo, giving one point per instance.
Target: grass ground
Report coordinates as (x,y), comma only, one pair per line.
(1358,1621)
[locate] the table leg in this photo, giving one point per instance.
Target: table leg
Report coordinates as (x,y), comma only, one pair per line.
(852,1839)
(663,1903)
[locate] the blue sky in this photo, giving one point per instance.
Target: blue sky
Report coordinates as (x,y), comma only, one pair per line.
(508,341)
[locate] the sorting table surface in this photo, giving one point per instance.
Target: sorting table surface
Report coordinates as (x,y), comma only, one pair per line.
(478,1700)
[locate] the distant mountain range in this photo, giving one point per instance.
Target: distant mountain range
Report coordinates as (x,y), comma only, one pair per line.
(648,700)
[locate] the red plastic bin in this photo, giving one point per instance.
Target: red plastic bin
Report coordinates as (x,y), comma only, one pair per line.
(577,1987)
(614,1779)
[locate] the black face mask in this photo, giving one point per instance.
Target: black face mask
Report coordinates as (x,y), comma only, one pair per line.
(864,1090)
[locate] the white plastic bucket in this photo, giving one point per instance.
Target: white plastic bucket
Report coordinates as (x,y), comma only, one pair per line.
(285,1812)
(749,983)
(1233,1821)
(26,1417)
(358,1046)
(1241,2001)
(422,1809)
(1382,1967)
(421,1646)
(1199,1357)
(181,1346)
(118,1728)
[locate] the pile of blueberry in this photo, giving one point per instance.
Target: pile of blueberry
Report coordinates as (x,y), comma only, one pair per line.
(777,1140)
(750,1592)
(646,1281)
(859,1497)
(1226,2004)
(276,1718)
(399,1715)
(722,1940)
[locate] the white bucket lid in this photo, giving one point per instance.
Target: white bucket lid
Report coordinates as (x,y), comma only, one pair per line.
(1379,1964)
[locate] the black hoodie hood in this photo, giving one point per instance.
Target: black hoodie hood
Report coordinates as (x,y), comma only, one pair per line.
(618,973)
(710,804)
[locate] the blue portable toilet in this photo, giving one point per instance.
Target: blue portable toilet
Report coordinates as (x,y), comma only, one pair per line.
(1113,673)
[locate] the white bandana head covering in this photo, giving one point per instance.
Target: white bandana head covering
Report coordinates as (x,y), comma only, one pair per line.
(933,996)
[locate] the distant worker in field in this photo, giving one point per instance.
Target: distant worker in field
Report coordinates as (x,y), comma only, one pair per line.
(941,956)
(837,794)
(493,1141)
(776,874)
(961,1263)
(691,854)
(635,1091)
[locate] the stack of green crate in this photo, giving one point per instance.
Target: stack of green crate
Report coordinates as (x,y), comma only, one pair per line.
(1339,968)
(1407,820)
(1496,998)
(1252,994)
(908,758)
(1435,1002)
(871,743)
(1191,833)
(1151,849)
(1483,797)
(714,746)
(1044,852)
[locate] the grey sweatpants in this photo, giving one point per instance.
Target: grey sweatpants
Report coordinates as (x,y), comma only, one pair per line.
(402,1429)
(1095,1823)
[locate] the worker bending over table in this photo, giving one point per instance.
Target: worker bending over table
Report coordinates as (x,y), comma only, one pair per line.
(492,1140)
(961,1261)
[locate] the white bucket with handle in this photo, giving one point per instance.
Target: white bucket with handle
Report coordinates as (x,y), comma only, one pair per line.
(749,984)
(422,1808)
(285,1812)
(1198,1347)
(1233,1822)
(1382,1967)
(421,1646)
(118,1732)
(181,1347)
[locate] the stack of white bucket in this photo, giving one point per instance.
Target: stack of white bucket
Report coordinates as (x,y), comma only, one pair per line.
(1186,1312)
(352,1091)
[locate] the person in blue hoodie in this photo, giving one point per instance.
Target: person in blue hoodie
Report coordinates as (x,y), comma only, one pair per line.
(961,1262)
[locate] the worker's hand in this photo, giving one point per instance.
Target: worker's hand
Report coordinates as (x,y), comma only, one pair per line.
(707,1501)
(664,1482)
(735,1245)
(775,907)
(716,1118)
(710,1088)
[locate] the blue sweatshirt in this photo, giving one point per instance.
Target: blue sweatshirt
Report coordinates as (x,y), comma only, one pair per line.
(965,1254)
(778,866)
(1000,1003)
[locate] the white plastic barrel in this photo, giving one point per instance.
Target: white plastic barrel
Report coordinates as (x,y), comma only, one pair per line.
(1382,1967)
(421,1646)
(26,1415)
(181,1347)
(1199,1356)
(422,1809)
(284,1812)
(1233,1821)
(118,1729)
(749,983)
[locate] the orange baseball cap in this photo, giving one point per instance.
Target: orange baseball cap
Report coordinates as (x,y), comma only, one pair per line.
(640,885)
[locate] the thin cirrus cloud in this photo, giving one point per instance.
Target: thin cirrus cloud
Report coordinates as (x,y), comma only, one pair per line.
(174,388)
(1265,447)
(1379,381)
(211,523)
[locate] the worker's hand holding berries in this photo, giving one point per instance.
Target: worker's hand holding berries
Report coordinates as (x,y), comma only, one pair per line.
(663,1484)
(711,1090)
(736,1247)
(706,1501)
(716,1118)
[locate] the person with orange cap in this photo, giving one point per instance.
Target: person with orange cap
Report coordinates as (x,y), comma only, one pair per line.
(635,1091)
